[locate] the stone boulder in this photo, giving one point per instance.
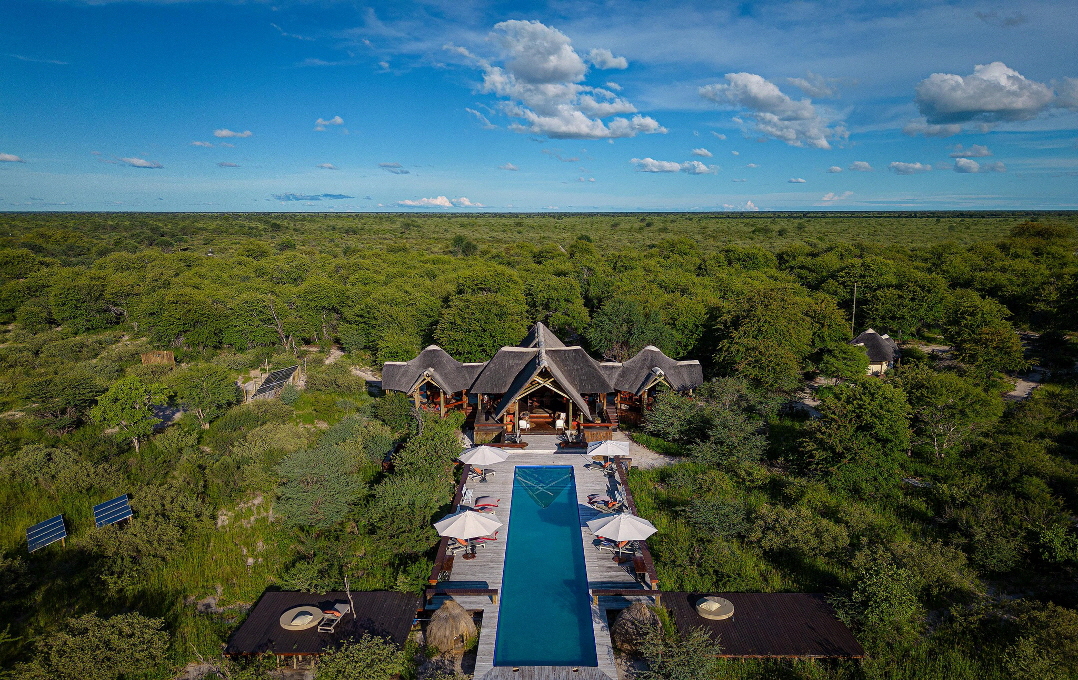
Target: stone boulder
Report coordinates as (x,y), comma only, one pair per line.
(632,626)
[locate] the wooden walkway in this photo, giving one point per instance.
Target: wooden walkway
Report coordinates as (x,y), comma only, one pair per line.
(486,570)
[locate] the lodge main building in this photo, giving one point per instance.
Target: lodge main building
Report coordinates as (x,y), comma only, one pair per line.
(540,386)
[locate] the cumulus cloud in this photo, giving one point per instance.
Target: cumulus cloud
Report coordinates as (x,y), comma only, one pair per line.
(229,133)
(814,85)
(225,164)
(774,114)
(861,166)
(483,121)
(611,85)
(701,152)
(920,127)
(605,59)
(206,144)
(735,153)
(830,196)
(310,197)
(321,123)
(834,168)
(974,151)
(394,168)
(718,135)
(440,202)
(967,165)
(10,158)
(326,166)
(796,180)
(689,167)
(1068,93)
(141,163)
(508,166)
(541,81)
(900,168)
(993,93)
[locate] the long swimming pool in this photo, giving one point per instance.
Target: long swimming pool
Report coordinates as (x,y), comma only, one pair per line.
(544,618)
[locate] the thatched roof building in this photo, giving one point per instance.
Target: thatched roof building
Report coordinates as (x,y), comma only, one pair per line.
(883,352)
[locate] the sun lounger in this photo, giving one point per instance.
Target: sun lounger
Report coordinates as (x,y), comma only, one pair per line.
(606,545)
(486,504)
(481,475)
(330,617)
(485,539)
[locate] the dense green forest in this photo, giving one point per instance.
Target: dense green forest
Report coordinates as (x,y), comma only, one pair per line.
(938,516)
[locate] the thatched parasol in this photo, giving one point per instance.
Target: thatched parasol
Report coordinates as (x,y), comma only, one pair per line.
(450,628)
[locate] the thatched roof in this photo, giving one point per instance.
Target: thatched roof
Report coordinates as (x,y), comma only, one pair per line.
(650,365)
(881,348)
(433,362)
(450,627)
(541,336)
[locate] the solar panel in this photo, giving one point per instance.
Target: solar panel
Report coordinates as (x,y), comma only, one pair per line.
(44,533)
(274,381)
(112,511)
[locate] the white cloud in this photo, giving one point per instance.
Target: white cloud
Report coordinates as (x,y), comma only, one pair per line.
(719,135)
(701,152)
(230,133)
(920,127)
(834,168)
(814,85)
(321,123)
(751,165)
(394,168)
(974,151)
(541,81)
(775,115)
(740,180)
(993,93)
(226,164)
(604,59)
(750,206)
(10,158)
(698,168)
(796,180)
(141,163)
(611,85)
(508,166)
(1068,93)
(226,144)
(909,168)
(967,165)
(831,196)
(465,203)
(326,166)
(861,166)
(735,153)
(689,167)
(483,121)
(438,202)
(206,144)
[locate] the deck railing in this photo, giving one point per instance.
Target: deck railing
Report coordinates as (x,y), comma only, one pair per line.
(443,545)
(621,464)
(452,591)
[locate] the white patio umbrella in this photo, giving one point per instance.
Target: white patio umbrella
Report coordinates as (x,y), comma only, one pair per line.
(623,527)
(467,524)
(482,455)
(608,448)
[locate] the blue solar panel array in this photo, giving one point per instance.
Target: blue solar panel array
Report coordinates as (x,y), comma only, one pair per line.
(274,381)
(44,533)
(112,511)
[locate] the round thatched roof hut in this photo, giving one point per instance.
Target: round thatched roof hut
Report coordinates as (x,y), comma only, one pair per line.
(450,628)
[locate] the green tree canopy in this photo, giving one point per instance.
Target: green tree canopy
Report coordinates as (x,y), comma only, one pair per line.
(319,486)
(207,389)
(126,406)
(92,648)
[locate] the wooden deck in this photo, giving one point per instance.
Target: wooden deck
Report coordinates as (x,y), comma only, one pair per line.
(485,572)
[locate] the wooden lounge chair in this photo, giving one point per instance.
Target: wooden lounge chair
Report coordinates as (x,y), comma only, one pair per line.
(481,475)
(331,617)
(486,504)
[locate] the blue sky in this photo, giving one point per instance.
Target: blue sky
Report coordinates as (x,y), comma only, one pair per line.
(485,106)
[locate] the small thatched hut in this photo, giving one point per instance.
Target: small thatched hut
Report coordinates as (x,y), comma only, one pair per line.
(450,628)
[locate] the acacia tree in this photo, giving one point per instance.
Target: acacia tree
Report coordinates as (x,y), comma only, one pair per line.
(207,389)
(127,406)
(319,486)
(947,410)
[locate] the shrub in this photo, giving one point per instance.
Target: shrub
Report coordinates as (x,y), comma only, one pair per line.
(289,395)
(369,658)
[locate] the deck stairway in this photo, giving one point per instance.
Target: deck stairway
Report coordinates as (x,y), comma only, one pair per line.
(612,416)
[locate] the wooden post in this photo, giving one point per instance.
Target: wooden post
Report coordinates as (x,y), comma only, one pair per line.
(416,398)
(441,402)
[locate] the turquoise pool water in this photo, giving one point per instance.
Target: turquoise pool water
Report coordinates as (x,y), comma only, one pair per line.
(544,618)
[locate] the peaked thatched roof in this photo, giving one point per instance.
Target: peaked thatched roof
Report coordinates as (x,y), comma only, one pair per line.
(433,362)
(541,336)
(880,348)
(650,364)
(450,627)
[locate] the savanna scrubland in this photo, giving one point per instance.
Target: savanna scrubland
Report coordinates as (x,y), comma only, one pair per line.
(938,516)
